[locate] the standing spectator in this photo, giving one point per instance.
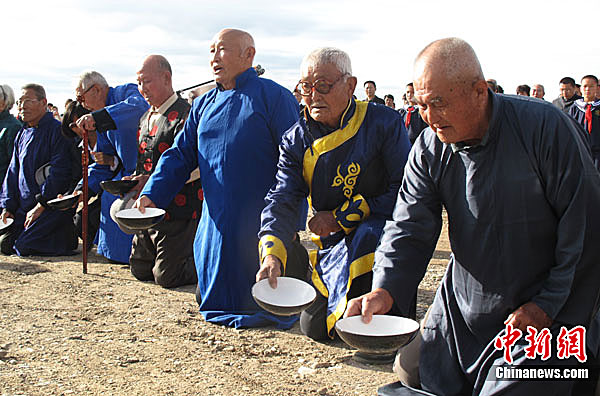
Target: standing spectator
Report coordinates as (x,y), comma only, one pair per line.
(37,229)
(538,91)
(411,117)
(567,94)
(115,115)
(586,111)
(410,95)
(9,126)
(523,90)
(370,89)
(492,84)
(389,101)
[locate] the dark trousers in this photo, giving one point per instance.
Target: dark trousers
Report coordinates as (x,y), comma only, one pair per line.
(94,209)
(165,253)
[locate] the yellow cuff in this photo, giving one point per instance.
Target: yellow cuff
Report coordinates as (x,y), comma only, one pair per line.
(270,244)
(351,213)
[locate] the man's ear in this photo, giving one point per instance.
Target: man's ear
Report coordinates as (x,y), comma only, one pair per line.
(352,81)
(250,52)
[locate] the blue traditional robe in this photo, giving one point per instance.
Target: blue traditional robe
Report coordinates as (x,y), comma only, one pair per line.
(34,147)
(354,171)
(232,136)
(117,126)
(523,219)
(592,130)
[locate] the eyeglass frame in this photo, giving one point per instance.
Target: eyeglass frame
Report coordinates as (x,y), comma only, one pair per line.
(81,98)
(21,103)
(314,88)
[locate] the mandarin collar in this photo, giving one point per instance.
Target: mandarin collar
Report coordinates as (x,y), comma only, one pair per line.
(489,133)
(242,79)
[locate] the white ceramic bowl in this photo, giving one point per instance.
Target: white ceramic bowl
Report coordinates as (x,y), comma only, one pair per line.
(136,220)
(9,221)
(384,334)
(291,296)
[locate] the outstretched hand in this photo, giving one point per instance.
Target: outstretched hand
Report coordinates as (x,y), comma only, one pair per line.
(377,302)
(270,268)
(142,203)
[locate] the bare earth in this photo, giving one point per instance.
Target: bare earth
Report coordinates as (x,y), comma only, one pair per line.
(105,333)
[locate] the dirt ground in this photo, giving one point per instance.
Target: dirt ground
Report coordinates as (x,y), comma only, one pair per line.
(105,333)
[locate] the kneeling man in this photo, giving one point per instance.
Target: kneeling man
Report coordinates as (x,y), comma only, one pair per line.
(348,158)
(40,169)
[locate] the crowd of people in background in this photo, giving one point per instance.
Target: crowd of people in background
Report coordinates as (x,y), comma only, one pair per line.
(240,164)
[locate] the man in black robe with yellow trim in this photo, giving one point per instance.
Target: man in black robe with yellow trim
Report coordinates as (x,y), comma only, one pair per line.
(348,158)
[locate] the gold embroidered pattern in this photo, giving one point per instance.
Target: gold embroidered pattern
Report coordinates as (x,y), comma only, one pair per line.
(349,181)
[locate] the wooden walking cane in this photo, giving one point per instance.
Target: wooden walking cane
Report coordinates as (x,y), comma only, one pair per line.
(84,221)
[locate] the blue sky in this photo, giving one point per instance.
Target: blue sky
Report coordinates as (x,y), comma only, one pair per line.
(518,42)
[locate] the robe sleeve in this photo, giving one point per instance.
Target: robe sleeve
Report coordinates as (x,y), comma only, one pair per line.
(570,181)
(279,218)
(409,239)
(59,178)
(176,163)
(124,114)
(9,198)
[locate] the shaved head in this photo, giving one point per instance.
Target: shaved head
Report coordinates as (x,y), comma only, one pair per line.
(453,57)
(451,91)
(244,39)
(155,80)
(231,53)
(156,63)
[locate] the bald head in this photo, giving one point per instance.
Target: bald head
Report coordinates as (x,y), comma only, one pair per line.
(244,39)
(155,80)
(453,58)
(451,91)
(232,52)
(157,63)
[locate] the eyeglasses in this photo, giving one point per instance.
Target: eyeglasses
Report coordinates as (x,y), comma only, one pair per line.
(321,86)
(80,98)
(23,102)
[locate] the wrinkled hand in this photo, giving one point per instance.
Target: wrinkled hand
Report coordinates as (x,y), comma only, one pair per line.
(142,203)
(270,268)
(377,302)
(33,214)
(323,224)
(529,314)
(103,158)
(87,122)
(5,215)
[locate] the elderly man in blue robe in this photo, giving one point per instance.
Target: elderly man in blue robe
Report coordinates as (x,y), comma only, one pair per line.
(348,158)
(518,183)
(115,115)
(39,145)
(232,135)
